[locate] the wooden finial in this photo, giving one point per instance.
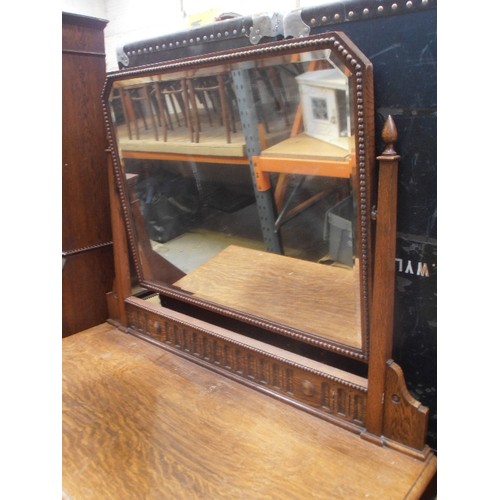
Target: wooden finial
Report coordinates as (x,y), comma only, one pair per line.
(389,136)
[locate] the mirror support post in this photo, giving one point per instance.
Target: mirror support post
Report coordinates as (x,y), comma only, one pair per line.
(382,308)
(122,285)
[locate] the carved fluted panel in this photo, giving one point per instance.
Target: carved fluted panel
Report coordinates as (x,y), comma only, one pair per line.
(268,370)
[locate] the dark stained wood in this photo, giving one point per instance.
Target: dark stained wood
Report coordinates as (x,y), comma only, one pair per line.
(86,224)
(86,278)
(85,215)
(82,33)
(143,423)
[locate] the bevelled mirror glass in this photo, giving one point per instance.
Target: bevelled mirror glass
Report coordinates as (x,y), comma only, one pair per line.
(246,184)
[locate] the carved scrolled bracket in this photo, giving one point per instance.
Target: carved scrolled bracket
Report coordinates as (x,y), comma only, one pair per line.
(405,418)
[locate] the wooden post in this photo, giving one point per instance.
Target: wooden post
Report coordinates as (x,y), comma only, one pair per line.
(382,308)
(122,287)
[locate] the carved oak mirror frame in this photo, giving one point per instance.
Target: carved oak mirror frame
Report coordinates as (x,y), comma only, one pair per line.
(157,276)
(373,403)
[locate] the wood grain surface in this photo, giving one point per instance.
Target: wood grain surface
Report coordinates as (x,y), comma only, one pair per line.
(86,279)
(278,288)
(305,147)
(87,274)
(85,202)
(142,423)
(212,143)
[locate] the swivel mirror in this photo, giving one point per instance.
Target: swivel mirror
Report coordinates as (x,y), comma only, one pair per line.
(244,199)
(246,180)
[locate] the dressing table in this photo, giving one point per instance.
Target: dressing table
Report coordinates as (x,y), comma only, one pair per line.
(251,262)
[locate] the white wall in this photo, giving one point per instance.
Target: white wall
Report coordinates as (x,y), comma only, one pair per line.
(94,8)
(135,20)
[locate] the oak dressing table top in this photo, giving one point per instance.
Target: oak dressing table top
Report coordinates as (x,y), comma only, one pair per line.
(141,422)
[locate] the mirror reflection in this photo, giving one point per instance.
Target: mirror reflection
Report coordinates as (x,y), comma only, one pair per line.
(242,189)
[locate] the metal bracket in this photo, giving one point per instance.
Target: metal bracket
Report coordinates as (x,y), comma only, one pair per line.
(266,24)
(274,24)
(121,57)
(294,26)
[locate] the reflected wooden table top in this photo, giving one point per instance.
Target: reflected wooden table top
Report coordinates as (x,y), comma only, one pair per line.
(140,422)
(278,288)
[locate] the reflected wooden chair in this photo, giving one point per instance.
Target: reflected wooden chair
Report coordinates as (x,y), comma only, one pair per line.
(213,93)
(119,108)
(172,99)
(139,108)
